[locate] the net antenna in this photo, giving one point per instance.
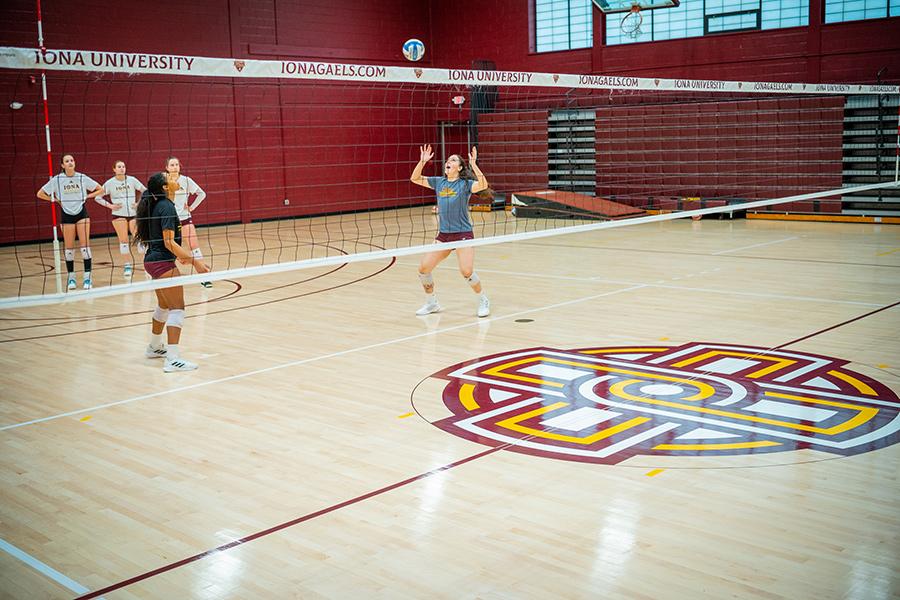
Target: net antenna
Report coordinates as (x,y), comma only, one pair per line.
(56,260)
(633,19)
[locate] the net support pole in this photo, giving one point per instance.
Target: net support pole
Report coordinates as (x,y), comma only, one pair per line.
(57,267)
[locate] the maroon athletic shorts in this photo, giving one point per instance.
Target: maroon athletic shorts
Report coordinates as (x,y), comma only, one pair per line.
(158,268)
(455,237)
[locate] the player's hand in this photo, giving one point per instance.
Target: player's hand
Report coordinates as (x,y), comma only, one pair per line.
(473,155)
(425,153)
(200,266)
(186,261)
(116,205)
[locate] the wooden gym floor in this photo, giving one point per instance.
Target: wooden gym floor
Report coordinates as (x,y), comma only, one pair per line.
(326,449)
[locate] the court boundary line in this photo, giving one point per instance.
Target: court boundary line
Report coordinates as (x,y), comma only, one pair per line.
(42,567)
(379,491)
(847,322)
(360,349)
(314,359)
(600,279)
(741,257)
(287,524)
(721,252)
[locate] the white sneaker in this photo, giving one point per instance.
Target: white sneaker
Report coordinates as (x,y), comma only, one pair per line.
(152,352)
(178,364)
(428,308)
(88,284)
(128,272)
(484,307)
(72,284)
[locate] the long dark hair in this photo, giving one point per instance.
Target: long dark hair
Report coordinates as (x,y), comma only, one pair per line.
(156,191)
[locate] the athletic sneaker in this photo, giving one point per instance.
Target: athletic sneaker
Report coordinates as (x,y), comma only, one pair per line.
(152,352)
(178,364)
(206,284)
(72,283)
(428,308)
(128,271)
(88,284)
(484,307)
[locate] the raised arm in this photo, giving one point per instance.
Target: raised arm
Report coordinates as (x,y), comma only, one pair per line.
(481,183)
(425,154)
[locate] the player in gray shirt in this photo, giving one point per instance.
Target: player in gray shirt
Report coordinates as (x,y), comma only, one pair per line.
(452,191)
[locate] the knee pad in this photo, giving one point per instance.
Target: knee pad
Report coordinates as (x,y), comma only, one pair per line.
(473,278)
(123,249)
(85,252)
(160,314)
(70,254)
(175,318)
(426,278)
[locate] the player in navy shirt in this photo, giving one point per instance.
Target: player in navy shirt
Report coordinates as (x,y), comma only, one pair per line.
(159,229)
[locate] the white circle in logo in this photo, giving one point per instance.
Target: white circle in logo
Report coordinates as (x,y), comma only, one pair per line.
(661,389)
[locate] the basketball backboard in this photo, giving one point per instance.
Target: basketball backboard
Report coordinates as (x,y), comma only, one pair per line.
(618,6)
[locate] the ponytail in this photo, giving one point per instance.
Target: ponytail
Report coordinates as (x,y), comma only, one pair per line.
(154,193)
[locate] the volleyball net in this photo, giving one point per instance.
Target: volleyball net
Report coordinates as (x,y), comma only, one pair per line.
(308,164)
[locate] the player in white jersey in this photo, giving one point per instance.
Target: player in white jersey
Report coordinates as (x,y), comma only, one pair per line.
(180,189)
(71,189)
(123,192)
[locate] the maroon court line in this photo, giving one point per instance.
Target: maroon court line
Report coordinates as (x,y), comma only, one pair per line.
(393,486)
(224,310)
(51,321)
(847,322)
(285,525)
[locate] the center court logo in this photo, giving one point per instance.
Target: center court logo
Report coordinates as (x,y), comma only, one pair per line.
(605,405)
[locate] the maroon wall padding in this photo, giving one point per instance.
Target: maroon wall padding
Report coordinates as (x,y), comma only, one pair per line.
(513,150)
(749,149)
(249,144)
(250,156)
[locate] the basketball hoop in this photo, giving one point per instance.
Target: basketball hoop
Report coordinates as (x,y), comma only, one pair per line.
(631,22)
(633,17)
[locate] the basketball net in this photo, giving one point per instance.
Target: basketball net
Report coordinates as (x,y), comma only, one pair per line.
(631,22)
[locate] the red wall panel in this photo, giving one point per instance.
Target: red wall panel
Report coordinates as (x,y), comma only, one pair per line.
(513,150)
(246,143)
(751,149)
